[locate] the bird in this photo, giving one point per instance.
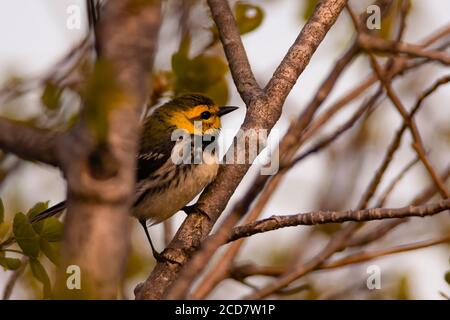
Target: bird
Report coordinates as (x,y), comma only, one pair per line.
(177,159)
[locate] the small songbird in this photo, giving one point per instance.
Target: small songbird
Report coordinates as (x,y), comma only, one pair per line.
(172,171)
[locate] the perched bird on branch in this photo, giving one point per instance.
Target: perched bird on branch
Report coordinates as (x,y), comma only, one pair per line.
(176,160)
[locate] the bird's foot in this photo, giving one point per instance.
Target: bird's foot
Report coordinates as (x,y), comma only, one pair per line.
(162,258)
(194,209)
(158,256)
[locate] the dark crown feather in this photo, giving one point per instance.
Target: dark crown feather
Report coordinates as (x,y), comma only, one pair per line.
(187,101)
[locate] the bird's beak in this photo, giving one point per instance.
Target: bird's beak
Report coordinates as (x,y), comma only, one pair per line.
(225,109)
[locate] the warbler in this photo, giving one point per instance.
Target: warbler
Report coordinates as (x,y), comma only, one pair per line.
(167,176)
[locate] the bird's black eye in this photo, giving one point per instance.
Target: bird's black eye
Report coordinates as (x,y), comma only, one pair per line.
(205,115)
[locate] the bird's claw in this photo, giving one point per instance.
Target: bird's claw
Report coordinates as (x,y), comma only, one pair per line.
(161,258)
(158,256)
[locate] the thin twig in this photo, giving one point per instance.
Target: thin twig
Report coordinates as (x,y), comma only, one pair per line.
(323,217)
(13,278)
(337,242)
(369,255)
(395,181)
(418,144)
(385,227)
(234,50)
(249,270)
(385,80)
(369,42)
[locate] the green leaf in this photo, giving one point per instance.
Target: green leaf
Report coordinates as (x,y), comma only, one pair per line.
(4,230)
(52,229)
(25,235)
(447,277)
(248,17)
(51,97)
(10,263)
(209,69)
(37,208)
(51,250)
(41,275)
(180,59)
(203,74)
(34,211)
(2,211)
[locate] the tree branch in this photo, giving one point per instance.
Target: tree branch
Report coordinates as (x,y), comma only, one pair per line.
(234,50)
(383,198)
(409,121)
(323,217)
(9,287)
(262,114)
(219,271)
(101,176)
(369,255)
(337,242)
(388,225)
(247,270)
(28,143)
(299,55)
(369,42)
(385,80)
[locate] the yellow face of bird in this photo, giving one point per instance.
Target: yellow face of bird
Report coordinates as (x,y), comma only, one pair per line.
(200,119)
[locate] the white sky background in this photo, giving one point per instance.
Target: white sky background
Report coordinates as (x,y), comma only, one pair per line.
(33,36)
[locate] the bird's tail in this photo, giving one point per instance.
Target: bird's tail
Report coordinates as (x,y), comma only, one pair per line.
(50,212)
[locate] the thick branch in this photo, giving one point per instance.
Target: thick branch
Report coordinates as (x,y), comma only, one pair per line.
(301,52)
(28,143)
(99,195)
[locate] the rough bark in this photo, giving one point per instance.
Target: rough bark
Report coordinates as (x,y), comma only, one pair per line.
(96,227)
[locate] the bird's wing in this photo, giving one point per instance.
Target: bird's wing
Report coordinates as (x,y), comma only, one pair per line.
(149,161)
